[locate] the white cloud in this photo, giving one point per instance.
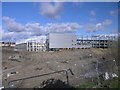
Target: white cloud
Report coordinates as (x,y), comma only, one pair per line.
(15,36)
(34,28)
(29,30)
(62,27)
(0,30)
(41,39)
(51,10)
(107,22)
(0,33)
(98,26)
(7,36)
(90,27)
(12,25)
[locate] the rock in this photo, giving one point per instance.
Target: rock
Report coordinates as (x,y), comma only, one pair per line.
(75,64)
(1,88)
(10,74)
(114,75)
(106,76)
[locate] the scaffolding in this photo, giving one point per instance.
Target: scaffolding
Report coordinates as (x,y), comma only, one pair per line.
(95,41)
(102,41)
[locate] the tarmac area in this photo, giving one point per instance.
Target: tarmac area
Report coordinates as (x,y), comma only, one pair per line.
(17,65)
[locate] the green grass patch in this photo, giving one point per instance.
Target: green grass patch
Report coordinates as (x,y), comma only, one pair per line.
(87,85)
(111,83)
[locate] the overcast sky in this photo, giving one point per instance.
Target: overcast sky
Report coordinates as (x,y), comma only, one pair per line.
(24,20)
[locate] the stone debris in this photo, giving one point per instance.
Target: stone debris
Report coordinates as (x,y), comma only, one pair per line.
(76,77)
(114,75)
(114,60)
(1,88)
(12,85)
(56,62)
(38,69)
(82,62)
(5,67)
(17,58)
(106,76)
(10,74)
(64,61)
(90,55)
(75,64)
(82,65)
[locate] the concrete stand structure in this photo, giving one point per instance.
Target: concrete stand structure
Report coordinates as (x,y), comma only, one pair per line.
(31,45)
(57,41)
(35,46)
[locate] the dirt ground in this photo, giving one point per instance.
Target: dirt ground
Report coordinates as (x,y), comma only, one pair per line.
(27,64)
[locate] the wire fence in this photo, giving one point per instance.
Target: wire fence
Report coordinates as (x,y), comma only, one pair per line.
(97,71)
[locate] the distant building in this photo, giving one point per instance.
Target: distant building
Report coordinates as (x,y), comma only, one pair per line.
(61,41)
(11,44)
(57,41)
(35,46)
(102,41)
(21,47)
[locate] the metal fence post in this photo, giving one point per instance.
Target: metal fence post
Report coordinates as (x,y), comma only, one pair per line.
(67,77)
(98,78)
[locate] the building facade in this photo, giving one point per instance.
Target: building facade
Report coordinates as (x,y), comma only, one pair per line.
(21,47)
(57,41)
(102,41)
(11,44)
(36,46)
(61,41)
(32,46)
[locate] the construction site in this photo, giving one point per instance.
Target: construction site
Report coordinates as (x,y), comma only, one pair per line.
(32,67)
(59,44)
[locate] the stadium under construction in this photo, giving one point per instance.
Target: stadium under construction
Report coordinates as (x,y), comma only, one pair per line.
(55,41)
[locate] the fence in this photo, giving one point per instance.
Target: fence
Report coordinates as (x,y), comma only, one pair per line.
(17,80)
(96,72)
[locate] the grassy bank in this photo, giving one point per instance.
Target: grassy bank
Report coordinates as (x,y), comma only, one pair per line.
(111,83)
